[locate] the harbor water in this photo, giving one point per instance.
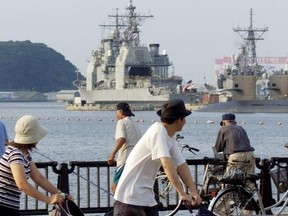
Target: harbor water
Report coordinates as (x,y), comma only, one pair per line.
(89,136)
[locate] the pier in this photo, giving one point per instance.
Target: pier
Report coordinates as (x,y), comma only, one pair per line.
(89,184)
(137,106)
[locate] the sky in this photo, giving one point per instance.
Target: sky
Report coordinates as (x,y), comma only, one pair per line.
(193,32)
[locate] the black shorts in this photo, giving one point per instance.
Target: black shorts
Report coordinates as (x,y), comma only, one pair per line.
(122,209)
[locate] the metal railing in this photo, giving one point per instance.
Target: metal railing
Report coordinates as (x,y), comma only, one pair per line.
(89,183)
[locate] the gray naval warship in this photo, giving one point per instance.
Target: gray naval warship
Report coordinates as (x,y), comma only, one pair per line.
(124,70)
(250,88)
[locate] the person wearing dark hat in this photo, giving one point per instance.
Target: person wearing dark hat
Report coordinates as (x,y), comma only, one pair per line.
(157,147)
(16,166)
(233,141)
(127,135)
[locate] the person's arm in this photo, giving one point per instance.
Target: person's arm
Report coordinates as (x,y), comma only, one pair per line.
(170,170)
(40,180)
(219,142)
(23,185)
(119,143)
(184,172)
(6,136)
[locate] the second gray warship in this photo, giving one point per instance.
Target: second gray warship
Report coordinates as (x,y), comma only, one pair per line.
(124,70)
(251,88)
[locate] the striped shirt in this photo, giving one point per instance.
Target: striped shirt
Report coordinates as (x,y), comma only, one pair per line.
(9,192)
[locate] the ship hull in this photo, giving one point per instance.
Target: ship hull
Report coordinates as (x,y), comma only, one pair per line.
(140,95)
(253,106)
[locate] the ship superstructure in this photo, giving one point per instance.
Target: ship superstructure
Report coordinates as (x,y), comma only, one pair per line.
(246,79)
(249,86)
(124,70)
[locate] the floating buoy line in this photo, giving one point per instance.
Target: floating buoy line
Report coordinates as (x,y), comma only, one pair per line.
(212,122)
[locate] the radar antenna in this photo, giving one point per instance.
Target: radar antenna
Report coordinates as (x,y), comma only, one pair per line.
(130,23)
(133,20)
(250,35)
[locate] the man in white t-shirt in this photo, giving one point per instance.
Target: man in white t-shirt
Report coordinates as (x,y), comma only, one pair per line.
(127,134)
(134,193)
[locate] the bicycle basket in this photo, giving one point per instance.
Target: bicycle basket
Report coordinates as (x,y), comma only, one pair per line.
(217,169)
(279,177)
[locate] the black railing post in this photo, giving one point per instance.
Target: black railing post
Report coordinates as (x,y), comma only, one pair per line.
(265,183)
(63,177)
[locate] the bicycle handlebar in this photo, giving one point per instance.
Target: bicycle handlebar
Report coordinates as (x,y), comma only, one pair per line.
(178,136)
(191,149)
(276,163)
(188,207)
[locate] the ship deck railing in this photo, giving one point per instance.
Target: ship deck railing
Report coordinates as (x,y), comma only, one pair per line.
(89,183)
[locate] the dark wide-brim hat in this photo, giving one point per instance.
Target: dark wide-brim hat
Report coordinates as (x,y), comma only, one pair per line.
(173,109)
(227,116)
(125,108)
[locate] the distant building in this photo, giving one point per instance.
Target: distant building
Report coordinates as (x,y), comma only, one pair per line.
(22,96)
(67,96)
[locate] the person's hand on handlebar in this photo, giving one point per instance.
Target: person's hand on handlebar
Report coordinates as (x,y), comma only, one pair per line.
(190,199)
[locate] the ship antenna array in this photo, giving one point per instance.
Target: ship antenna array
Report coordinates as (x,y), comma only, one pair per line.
(250,35)
(116,27)
(130,22)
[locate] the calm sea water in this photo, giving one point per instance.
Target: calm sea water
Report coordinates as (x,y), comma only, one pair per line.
(80,135)
(86,136)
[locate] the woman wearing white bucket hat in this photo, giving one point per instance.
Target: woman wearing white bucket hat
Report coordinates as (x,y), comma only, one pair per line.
(16,166)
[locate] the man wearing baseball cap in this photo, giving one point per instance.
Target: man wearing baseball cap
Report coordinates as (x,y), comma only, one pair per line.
(127,135)
(134,193)
(233,140)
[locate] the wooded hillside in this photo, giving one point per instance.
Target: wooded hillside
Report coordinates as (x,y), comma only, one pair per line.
(26,66)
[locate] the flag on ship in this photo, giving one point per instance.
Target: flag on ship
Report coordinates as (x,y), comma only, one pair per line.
(188,86)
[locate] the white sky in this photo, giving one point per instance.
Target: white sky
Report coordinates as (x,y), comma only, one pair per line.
(193,32)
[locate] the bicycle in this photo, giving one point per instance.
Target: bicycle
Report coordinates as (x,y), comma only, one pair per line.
(240,199)
(165,193)
(167,196)
(211,185)
(214,170)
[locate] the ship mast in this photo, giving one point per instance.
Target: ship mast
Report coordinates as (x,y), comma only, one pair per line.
(248,60)
(117,41)
(130,22)
(133,21)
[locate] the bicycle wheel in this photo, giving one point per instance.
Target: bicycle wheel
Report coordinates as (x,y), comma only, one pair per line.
(234,201)
(166,195)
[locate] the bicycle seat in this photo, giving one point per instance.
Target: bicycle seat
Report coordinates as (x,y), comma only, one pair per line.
(253,177)
(234,177)
(232,181)
(214,160)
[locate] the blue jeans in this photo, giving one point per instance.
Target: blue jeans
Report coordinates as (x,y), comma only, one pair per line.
(122,209)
